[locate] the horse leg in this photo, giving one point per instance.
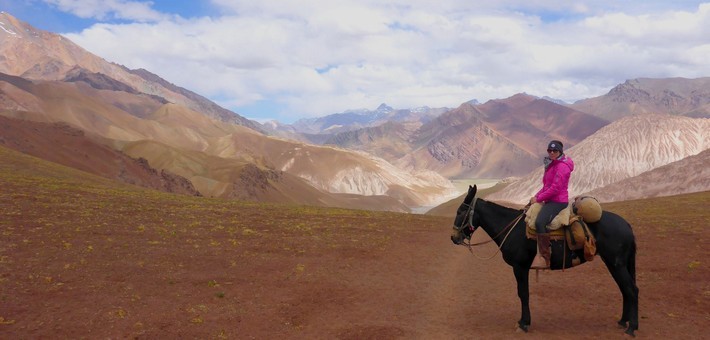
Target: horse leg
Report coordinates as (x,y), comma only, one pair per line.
(521,276)
(629,293)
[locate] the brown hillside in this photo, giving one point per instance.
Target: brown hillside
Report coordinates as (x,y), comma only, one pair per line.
(63,144)
(115,93)
(531,122)
(15,94)
(236,179)
(390,140)
(459,144)
(497,139)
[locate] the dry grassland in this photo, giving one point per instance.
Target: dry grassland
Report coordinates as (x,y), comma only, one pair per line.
(85,257)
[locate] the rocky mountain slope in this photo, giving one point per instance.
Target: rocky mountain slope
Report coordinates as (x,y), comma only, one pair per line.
(36,54)
(496,139)
(688,175)
(621,150)
(459,144)
(522,123)
(531,122)
(390,140)
(677,96)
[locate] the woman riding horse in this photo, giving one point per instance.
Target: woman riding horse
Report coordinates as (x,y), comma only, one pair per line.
(554,197)
(615,242)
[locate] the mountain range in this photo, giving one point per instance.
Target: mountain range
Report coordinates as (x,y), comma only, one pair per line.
(357,119)
(220,157)
(131,125)
(496,139)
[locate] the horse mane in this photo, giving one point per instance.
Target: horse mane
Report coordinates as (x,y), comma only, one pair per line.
(500,208)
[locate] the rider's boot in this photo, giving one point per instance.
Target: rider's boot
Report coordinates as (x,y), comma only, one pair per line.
(542,259)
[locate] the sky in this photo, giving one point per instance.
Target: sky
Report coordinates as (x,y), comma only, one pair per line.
(286,59)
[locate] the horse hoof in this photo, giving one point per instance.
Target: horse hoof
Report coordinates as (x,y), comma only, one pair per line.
(521,329)
(629,333)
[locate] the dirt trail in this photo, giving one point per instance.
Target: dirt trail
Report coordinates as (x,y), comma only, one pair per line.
(435,290)
(445,297)
(446,301)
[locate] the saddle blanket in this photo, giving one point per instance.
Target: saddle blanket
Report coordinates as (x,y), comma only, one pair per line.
(566,226)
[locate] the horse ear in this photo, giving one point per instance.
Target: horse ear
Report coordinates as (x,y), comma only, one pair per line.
(471,194)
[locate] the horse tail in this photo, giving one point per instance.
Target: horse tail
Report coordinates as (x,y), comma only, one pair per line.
(631,262)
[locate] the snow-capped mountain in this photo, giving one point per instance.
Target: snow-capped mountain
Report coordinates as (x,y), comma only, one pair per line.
(351,120)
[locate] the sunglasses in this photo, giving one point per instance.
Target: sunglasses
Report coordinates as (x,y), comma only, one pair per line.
(551,151)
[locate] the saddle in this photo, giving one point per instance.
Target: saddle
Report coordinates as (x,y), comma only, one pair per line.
(570,224)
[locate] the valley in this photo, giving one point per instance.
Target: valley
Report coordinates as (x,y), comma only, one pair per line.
(131,207)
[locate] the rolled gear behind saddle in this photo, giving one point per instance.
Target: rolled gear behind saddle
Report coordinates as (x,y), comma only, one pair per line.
(588,208)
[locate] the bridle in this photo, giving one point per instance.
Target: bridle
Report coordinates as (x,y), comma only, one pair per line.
(469,217)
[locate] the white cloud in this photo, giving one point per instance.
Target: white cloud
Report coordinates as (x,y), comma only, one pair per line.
(106,9)
(319,57)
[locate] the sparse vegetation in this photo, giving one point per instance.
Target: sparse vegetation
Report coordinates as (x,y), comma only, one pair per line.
(71,235)
(83,254)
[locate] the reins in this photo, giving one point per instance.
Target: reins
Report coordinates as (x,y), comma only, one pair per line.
(509,228)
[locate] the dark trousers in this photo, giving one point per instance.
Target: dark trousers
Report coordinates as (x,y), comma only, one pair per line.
(547,213)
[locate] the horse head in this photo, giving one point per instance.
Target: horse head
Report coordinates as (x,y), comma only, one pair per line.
(465,222)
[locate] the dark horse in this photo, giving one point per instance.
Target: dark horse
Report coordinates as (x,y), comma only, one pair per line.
(615,245)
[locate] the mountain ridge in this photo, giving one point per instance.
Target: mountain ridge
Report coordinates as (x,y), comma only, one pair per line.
(37,54)
(677,96)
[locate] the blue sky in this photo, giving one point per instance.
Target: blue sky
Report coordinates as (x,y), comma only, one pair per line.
(284,60)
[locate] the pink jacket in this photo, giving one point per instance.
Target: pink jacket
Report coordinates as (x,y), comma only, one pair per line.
(555,181)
